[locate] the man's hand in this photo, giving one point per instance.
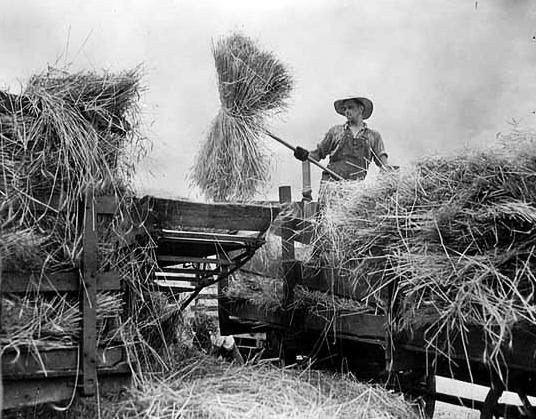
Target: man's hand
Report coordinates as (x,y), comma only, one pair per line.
(301,153)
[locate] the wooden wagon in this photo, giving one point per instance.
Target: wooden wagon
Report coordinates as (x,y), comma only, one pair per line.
(195,244)
(49,374)
(366,344)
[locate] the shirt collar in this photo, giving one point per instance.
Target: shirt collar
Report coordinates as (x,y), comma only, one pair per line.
(363,127)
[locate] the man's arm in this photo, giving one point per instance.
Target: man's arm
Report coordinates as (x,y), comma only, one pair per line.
(378,151)
(322,150)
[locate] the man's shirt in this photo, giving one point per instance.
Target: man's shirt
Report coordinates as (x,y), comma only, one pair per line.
(350,155)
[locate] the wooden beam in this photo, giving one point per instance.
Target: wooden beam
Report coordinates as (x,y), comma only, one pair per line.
(251,312)
(359,325)
(88,297)
(178,214)
(517,353)
(53,362)
(171,260)
(103,204)
(55,282)
(307,192)
(106,205)
(55,389)
(174,235)
(328,280)
(288,257)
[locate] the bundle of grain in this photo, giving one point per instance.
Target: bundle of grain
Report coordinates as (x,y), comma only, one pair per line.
(209,389)
(261,291)
(455,233)
(53,321)
(65,134)
(266,293)
(232,162)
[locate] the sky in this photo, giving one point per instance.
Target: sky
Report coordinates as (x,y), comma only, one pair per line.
(443,75)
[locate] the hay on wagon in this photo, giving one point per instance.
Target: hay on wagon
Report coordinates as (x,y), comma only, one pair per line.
(456,236)
(64,135)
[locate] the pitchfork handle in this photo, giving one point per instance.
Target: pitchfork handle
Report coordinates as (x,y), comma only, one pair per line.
(316,163)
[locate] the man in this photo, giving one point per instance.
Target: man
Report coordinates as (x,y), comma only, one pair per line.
(351,146)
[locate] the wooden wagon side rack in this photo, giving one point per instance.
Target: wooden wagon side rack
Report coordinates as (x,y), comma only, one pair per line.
(371,349)
(54,373)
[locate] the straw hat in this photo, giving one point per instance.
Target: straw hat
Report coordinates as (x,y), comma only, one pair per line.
(367,104)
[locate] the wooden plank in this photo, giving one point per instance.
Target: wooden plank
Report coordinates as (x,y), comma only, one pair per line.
(88,297)
(328,280)
(103,204)
(36,391)
(53,362)
(172,277)
(182,259)
(106,205)
(206,309)
(213,237)
(519,352)
(55,282)
(358,325)
(250,312)
(199,248)
(501,410)
(178,214)
(30,392)
(172,290)
(207,297)
(187,274)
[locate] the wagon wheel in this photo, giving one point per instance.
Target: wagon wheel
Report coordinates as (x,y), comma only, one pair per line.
(279,347)
(530,411)
(422,394)
(492,400)
(419,389)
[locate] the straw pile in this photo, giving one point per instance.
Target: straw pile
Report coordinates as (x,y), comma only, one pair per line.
(456,234)
(253,84)
(205,388)
(54,321)
(64,135)
(266,293)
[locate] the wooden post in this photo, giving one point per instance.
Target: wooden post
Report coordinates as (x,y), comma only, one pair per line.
(88,297)
(287,339)
(287,250)
(223,305)
(307,191)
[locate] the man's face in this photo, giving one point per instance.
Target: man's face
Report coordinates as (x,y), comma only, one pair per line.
(353,110)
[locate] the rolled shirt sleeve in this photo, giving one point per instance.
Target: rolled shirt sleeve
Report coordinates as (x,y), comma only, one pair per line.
(325,147)
(378,148)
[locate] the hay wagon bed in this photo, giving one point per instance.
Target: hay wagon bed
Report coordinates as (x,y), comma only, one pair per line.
(55,371)
(365,344)
(195,245)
